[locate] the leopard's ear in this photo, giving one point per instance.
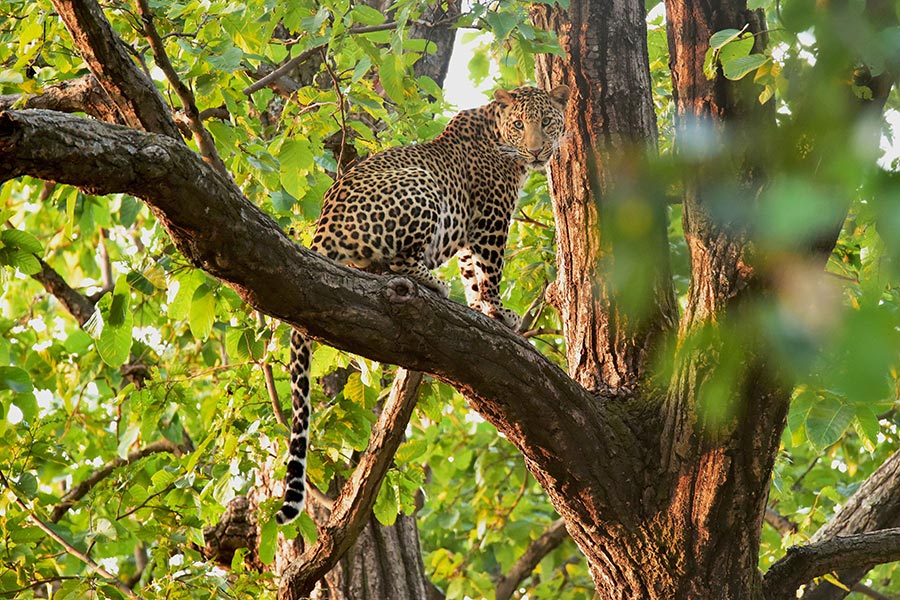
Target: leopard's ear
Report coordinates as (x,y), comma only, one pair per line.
(559,96)
(503,97)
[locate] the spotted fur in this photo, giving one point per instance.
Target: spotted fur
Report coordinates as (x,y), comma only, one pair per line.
(410,209)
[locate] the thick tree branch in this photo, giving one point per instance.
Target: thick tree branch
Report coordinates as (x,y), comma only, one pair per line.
(129,88)
(79,491)
(83,94)
(352,508)
(554,535)
(389,319)
(803,563)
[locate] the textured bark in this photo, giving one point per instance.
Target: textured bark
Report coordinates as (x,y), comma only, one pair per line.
(874,506)
(720,468)
(352,509)
(139,102)
(595,181)
(663,502)
(437,25)
(385,562)
(803,563)
(75,95)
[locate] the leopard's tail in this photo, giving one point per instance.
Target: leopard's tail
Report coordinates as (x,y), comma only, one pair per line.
(295,479)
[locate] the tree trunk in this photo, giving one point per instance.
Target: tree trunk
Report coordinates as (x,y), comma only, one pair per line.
(612,313)
(385,562)
(691,529)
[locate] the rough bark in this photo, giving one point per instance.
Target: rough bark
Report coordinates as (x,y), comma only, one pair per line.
(612,314)
(874,506)
(83,94)
(437,25)
(803,563)
(720,467)
(385,562)
(668,504)
(139,102)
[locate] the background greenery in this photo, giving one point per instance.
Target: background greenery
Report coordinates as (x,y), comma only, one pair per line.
(70,403)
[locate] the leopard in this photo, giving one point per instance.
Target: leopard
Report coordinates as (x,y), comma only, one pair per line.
(409,209)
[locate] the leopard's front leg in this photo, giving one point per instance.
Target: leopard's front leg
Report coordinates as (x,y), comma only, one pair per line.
(481,267)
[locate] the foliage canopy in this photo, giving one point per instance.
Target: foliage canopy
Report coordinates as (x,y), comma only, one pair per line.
(172,360)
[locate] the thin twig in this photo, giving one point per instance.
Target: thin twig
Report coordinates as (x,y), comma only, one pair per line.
(204,140)
(779,522)
(796,485)
(283,69)
(865,590)
(269,376)
(552,537)
(526,219)
(79,491)
(340,96)
(70,549)
(541,331)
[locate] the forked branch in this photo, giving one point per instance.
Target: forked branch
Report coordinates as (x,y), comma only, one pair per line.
(802,564)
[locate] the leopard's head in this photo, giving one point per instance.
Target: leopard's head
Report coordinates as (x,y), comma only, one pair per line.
(531,122)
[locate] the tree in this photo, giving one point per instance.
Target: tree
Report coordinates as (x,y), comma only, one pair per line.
(686,354)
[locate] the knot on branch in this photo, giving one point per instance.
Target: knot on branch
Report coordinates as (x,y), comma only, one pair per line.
(236,529)
(155,159)
(400,290)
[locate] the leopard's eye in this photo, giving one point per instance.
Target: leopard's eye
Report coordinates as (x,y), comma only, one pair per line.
(518,124)
(545,121)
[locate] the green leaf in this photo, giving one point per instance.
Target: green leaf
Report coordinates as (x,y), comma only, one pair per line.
(129,208)
(501,23)
(387,504)
(868,427)
(203,311)
(296,160)
(15,238)
(242,343)
(15,379)
(390,73)
(736,68)
(268,541)
(129,437)
(355,390)
(720,38)
(827,420)
(118,309)
(27,484)
(26,262)
(114,344)
(229,60)
(307,527)
(366,15)
(27,403)
(736,49)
